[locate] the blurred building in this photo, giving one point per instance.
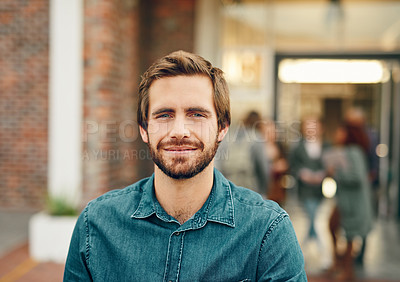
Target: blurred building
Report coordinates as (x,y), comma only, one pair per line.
(70,70)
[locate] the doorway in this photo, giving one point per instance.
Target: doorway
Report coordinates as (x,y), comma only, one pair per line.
(333,111)
(330,101)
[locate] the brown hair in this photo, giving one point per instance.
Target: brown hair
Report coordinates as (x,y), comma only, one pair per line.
(184,63)
(253,118)
(357,135)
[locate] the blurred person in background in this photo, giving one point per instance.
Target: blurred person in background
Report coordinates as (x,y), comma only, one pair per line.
(306,166)
(355,117)
(186,222)
(242,157)
(346,162)
(275,154)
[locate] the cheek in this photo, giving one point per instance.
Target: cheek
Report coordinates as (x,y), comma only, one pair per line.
(155,130)
(206,131)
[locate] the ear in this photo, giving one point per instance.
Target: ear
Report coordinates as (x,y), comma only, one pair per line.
(222,133)
(144,135)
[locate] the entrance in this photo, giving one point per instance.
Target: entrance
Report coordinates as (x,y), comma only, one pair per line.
(308,94)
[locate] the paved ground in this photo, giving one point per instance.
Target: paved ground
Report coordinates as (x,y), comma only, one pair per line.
(13,230)
(18,266)
(382,260)
(382,256)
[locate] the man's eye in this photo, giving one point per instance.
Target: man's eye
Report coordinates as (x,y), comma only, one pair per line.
(197,115)
(164,116)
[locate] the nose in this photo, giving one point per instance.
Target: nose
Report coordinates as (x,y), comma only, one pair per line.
(180,128)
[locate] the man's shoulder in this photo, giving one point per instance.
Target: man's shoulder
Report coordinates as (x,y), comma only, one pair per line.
(251,201)
(252,211)
(297,146)
(120,198)
(248,199)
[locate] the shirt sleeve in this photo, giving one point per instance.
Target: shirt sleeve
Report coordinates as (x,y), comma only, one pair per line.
(76,267)
(281,258)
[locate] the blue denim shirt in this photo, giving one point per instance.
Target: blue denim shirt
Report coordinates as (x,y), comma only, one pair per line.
(125,235)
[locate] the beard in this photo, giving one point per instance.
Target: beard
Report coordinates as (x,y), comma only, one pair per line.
(183,167)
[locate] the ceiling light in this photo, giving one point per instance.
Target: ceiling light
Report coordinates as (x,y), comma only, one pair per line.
(331,71)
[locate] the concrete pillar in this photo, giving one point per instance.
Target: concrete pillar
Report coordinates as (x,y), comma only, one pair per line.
(207,30)
(65,99)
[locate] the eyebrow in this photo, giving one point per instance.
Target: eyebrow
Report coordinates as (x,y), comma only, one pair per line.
(191,109)
(199,110)
(162,110)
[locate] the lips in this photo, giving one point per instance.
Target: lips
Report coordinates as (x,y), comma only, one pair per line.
(179,146)
(180,149)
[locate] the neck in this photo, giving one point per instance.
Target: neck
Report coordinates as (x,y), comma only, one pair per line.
(184,197)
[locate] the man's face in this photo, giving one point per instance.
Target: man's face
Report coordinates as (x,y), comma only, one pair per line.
(182,132)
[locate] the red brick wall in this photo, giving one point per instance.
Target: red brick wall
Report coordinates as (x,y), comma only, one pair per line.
(24,54)
(165,26)
(110,83)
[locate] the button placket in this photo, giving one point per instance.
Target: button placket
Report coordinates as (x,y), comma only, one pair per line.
(174,257)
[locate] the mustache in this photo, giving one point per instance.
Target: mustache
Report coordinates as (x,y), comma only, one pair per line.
(182,142)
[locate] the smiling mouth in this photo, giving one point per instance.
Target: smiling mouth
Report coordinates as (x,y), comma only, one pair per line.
(180,149)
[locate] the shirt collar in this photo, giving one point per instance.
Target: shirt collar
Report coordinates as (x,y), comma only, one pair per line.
(218,208)
(146,204)
(221,207)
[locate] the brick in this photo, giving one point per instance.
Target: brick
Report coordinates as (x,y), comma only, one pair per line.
(23,111)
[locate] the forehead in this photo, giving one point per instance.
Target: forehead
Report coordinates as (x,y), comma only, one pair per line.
(181,91)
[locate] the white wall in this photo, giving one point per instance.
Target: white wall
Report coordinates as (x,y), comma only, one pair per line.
(207,30)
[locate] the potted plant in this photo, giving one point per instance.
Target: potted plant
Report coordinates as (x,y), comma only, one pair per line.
(50,231)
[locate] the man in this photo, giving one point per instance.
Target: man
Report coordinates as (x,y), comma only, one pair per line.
(307,167)
(186,222)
